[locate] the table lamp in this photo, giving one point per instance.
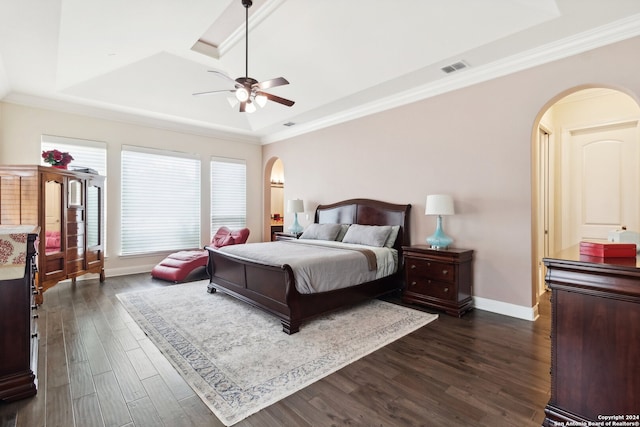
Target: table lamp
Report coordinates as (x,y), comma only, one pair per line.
(295,206)
(439,204)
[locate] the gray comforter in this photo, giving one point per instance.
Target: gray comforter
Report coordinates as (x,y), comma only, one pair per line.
(320,265)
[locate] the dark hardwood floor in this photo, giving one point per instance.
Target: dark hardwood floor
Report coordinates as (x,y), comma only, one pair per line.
(97,368)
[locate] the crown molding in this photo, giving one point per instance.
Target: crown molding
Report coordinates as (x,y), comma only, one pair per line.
(602,36)
(132,116)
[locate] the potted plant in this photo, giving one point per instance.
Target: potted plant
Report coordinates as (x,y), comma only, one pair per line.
(57,158)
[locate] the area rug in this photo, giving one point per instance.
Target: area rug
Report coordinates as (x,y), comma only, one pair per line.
(236,357)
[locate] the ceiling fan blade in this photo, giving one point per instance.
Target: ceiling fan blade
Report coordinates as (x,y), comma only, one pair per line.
(223,75)
(280,81)
(243,106)
(277,99)
(212,92)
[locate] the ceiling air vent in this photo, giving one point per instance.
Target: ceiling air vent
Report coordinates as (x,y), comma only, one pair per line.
(289,124)
(454,67)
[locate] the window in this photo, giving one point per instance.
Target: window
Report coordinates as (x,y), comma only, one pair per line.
(228,193)
(86,154)
(160,201)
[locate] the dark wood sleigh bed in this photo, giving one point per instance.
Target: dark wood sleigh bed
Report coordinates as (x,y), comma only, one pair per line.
(272,288)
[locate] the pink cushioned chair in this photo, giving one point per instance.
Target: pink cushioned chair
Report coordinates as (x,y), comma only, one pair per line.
(177,266)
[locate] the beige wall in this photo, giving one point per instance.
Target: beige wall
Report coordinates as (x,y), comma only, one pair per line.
(475,144)
(21,128)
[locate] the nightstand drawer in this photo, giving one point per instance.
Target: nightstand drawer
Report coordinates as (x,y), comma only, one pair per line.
(421,269)
(432,288)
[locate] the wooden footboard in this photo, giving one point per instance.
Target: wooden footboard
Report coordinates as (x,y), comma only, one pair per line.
(264,286)
(272,289)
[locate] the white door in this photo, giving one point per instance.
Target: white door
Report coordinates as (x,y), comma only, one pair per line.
(602,188)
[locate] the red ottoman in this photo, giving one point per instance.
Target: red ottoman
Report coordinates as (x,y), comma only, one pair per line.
(177,266)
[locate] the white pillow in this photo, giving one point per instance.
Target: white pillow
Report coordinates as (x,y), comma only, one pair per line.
(370,235)
(321,231)
(392,236)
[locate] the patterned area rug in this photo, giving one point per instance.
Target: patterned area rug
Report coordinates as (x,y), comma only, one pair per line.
(238,360)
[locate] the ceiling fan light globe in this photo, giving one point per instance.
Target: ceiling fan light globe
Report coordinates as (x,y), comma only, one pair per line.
(233,101)
(242,94)
(250,107)
(261,100)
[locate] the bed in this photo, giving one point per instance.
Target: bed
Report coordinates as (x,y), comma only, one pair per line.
(271,286)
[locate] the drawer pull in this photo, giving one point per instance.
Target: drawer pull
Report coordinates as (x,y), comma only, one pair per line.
(413,266)
(34,307)
(428,264)
(413,283)
(446,289)
(35,316)
(445,272)
(34,335)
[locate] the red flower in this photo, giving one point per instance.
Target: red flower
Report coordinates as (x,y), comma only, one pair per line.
(57,157)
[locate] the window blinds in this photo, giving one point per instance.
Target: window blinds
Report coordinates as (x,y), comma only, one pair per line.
(228,193)
(160,201)
(86,154)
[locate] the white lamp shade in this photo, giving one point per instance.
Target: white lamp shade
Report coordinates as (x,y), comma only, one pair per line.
(295,205)
(261,100)
(439,204)
(250,107)
(242,94)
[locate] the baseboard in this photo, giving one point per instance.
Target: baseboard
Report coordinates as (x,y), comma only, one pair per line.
(512,310)
(124,271)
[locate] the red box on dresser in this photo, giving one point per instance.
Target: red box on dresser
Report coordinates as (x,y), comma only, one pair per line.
(608,249)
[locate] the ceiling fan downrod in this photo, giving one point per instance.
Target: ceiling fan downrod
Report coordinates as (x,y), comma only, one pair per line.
(247,4)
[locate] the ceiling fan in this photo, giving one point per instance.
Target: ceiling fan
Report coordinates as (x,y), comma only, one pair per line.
(249,91)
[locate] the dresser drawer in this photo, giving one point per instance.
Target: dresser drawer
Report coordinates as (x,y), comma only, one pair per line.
(421,269)
(433,289)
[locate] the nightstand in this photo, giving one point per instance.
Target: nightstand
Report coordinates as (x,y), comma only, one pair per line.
(439,278)
(281,235)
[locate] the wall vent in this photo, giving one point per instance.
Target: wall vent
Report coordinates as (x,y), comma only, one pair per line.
(455,67)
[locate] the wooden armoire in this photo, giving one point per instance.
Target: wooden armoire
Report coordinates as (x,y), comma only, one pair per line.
(69,208)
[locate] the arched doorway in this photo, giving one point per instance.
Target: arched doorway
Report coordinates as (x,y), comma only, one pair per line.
(585,171)
(273,198)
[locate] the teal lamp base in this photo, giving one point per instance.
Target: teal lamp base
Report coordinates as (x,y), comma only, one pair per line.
(439,240)
(295,228)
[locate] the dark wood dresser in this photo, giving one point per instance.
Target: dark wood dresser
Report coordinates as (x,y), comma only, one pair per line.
(18,328)
(439,278)
(595,339)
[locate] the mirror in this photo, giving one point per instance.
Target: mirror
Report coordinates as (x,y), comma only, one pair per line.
(93,216)
(53,216)
(75,193)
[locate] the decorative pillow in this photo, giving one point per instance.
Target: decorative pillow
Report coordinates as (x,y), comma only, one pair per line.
(391,240)
(370,235)
(222,238)
(342,232)
(321,231)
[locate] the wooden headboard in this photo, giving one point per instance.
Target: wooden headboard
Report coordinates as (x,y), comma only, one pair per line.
(368,212)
